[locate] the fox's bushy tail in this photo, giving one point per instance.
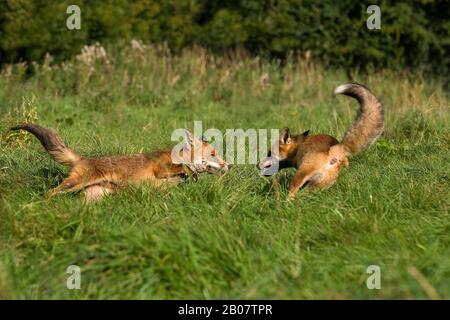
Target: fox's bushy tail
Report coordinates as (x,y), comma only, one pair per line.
(369,123)
(52,143)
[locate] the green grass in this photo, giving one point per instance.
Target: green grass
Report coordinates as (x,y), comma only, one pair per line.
(230,237)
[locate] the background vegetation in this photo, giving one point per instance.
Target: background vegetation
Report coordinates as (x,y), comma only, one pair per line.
(234,236)
(414,34)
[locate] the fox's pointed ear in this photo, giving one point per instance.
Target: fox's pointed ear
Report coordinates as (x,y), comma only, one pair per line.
(285,136)
(305,133)
(188,137)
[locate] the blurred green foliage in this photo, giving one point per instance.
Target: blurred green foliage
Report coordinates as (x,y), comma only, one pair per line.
(414,34)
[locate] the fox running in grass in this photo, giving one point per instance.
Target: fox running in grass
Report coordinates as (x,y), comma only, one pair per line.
(98,176)
(319,158)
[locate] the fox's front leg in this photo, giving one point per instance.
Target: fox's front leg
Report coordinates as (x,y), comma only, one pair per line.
(301,177)
(170,181)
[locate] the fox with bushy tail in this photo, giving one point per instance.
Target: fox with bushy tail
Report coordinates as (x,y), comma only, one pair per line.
(319,158)
(99,176)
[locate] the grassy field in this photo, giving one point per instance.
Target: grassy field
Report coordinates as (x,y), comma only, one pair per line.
(234,236)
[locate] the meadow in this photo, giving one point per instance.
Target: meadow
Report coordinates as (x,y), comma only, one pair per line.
(230,237)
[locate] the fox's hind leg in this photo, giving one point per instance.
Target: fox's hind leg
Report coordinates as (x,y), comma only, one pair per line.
(74,182)
(67,185)
(302,178)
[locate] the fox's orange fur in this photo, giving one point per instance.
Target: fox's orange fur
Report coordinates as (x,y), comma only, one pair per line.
(99,176)
(319,158)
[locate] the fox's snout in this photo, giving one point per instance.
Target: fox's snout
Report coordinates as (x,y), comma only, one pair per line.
(268,166)
(224,168)
(263,164)
(220,167)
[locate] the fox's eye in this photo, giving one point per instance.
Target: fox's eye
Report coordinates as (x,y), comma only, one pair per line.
(213,153)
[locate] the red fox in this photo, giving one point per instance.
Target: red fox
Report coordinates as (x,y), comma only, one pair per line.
(98,176)
(319,158)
